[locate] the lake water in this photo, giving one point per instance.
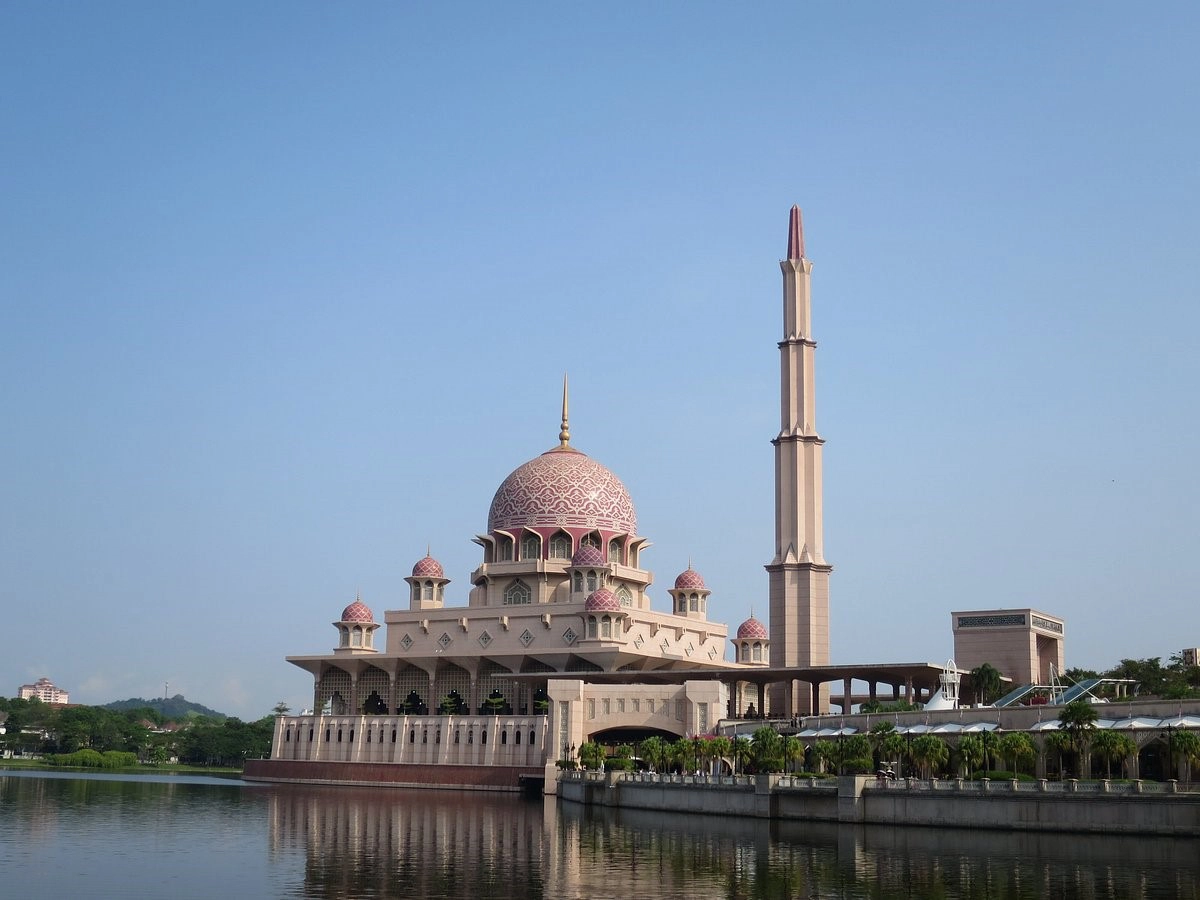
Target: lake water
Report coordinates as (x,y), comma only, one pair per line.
(69,835)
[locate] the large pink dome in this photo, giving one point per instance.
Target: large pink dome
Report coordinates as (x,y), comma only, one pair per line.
(690,580)
(357,612)
(566,488)
(752,628)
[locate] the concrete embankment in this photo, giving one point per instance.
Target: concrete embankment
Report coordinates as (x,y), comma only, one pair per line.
(463,778)
(1099,807)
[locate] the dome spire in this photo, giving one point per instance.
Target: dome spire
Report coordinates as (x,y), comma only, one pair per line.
(564,434)
(795,235)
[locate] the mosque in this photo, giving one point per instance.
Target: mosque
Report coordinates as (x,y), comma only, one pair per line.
(558,642)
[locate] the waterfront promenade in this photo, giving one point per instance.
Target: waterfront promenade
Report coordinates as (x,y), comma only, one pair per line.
(1106,807)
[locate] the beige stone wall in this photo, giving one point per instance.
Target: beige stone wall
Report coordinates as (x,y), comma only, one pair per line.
(419,740)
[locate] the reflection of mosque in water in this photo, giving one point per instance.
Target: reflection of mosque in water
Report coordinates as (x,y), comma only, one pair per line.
(371,843)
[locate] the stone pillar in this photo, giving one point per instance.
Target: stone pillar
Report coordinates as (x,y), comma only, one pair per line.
(847,697)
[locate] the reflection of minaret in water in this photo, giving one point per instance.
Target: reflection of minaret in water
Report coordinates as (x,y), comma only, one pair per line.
(798,573)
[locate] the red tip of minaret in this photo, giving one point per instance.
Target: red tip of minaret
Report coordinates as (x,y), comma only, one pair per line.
(795,235)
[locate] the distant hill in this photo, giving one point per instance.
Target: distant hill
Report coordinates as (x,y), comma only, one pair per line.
(172,709)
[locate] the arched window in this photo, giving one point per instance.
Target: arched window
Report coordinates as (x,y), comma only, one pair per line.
(483,736)
(757,652)
(344,636)
(517,594)
(560,545)
(518,735)
(614,551)
(745,653)
(606,627)
(591,625)
(504,737)
(356,636)
(427,590)
(624,596)
(682,604)
(412,736)
(505,550)
(591,581)
(416,592)
(368,639)
(695,603)
(531,547)
(531,735)
(578,582)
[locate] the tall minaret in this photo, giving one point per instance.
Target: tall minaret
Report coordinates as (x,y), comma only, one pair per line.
(799,575)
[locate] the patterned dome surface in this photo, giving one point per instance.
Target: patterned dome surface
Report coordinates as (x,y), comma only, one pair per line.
(752,628)
(357,612)
(563,487)
(690,580)
(587,555)
(428,568)
(602,600)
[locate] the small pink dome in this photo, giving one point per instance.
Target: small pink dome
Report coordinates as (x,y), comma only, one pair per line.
(690,581)
(752,628)
(357,612)
(587,555)
(602,600)
(428,568)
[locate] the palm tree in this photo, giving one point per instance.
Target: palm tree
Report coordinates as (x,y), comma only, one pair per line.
(824,752)
(720,748)
(591,755)
(989,741)
(985,679)
(654,751)
(970,750)
(1078,720)
(793,749)
(1058,742)
(929,752)
(743,752)
(1110,746)
(1186,746)
(768,749)
(1015,747)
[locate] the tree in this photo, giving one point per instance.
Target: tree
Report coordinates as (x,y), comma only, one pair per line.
(989,740)
(743,752)
(1185,745)
(720,748)
(653,750)
(1111,746)
(591,755)
(854,755)
(768,749)
(825,753)
(1058,743)
(1078,721)
(1015,747)
(985,680)
(793,749)
(929,752)
(970,751)
(280,709)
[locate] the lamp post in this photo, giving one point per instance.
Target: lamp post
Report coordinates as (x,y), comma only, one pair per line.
(1170,753)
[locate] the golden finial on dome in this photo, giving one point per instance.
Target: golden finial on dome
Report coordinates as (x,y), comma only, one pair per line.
(564,434)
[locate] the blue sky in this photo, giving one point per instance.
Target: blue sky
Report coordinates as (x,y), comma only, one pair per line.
(286,290)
